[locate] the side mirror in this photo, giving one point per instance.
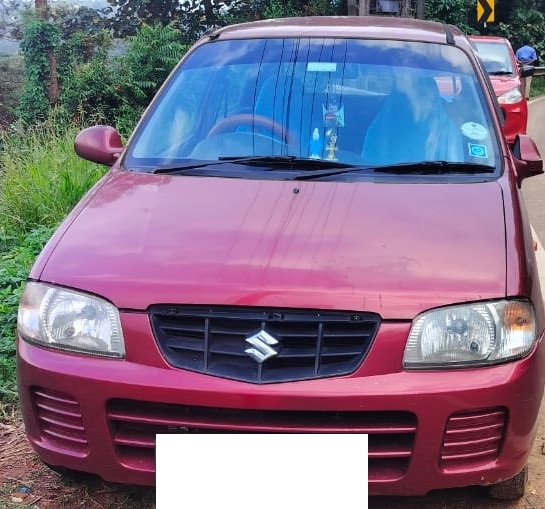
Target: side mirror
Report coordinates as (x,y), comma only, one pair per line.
(528,160)
(526,70)
(100,144)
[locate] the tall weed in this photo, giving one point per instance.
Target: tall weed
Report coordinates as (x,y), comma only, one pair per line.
(14,266)
(41,178)
(538,86)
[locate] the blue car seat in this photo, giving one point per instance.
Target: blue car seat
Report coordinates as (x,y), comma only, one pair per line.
(412,126)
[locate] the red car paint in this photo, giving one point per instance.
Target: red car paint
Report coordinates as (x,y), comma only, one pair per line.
(392,246)
(516,113)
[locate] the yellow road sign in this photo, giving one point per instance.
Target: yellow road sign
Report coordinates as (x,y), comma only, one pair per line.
(485,11)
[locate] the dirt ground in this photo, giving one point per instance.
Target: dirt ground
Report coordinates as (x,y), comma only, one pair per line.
(26,483)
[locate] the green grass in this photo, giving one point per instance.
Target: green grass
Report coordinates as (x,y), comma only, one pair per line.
(537,87)
(41,179)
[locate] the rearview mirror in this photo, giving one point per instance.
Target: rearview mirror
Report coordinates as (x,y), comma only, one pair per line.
(100,144)
(528,160)
(527,70)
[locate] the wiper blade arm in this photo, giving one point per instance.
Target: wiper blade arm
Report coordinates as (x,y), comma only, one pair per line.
(296,163)
(293,162)
(436,167)
(319,168)
(180,168)
(423,168)
(315,175)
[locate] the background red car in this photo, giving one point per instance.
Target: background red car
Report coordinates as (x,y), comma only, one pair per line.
(500,63)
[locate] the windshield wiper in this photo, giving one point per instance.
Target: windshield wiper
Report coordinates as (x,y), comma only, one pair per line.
(321,168)
(436,167)
(315,175)
(421,168)
(500,73)
(180,168)
(293,162)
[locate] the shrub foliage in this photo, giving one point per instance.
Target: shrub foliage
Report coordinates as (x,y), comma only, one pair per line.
(40,39)
(41,179)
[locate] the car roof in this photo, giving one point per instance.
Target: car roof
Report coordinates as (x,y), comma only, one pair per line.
(371,27)
(494,40)
(489,38)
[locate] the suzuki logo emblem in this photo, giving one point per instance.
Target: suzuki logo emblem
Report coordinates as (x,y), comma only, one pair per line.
(261,349)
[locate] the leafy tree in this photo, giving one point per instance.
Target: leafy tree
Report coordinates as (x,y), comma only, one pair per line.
(40,39)
(194,17)
(85,73)
(116,90)
(152,53)
(12,72)
(524,27)
(10,17)
(461,13)
(130,14)
(73,19)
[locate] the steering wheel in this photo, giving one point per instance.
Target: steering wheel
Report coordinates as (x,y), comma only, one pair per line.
(229,124)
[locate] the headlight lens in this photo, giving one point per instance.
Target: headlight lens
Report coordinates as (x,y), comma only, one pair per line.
(473,334)
(69,320)
(511,96)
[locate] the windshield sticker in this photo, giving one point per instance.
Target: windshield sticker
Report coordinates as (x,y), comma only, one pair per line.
(322,66)
(477,150)
(474,131)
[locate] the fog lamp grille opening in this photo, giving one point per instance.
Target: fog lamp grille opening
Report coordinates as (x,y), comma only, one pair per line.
(60,421)
(473,437)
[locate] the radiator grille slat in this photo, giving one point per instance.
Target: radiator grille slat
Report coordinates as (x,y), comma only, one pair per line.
(134,425)
(309,343)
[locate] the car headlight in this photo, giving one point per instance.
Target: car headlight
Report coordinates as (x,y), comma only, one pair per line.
(511,96)
(478,334)
(67,320)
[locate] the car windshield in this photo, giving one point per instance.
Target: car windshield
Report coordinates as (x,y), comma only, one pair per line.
(496,57)
(352,102)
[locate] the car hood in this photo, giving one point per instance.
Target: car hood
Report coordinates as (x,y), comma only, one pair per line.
(395,249)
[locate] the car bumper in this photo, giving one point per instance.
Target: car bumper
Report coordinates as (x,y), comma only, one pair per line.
(516,120)
(427,430)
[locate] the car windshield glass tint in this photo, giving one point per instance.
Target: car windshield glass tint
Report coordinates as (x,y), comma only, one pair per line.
(496,57)
(355,102)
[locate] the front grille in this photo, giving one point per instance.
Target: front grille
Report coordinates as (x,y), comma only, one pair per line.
(310,344)
(134,426)
(473,437)
(60,421)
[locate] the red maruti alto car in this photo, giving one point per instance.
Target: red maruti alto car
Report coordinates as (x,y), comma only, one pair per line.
(501,64)
(316,227)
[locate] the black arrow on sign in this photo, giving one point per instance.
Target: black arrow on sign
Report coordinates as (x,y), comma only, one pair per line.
(487,11)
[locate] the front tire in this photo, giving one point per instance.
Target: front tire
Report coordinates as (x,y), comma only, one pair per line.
(511,489)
